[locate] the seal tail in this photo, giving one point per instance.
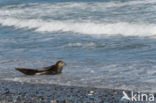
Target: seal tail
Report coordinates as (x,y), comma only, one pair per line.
(27,71)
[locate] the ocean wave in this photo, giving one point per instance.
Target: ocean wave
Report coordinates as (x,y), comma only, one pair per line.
(80,5)
(89,18)
(65,8)
(88,28)
(107,46)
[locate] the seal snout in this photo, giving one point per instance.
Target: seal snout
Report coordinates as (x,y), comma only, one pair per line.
(61,63)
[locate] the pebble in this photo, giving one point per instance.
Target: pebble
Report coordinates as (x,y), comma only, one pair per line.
(0,92)
(91,93)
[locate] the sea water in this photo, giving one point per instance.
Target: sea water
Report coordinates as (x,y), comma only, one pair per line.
(105,43)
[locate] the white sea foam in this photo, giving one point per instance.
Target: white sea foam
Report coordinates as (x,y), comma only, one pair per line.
(89,28)
(84,45)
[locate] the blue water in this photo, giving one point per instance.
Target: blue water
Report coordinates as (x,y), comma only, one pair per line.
(106,44)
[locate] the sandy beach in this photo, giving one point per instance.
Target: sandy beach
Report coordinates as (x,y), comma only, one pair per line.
(16,92)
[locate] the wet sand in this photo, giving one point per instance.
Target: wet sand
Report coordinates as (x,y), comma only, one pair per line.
(16,92)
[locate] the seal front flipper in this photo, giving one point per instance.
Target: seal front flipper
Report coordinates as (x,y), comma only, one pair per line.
(27,71)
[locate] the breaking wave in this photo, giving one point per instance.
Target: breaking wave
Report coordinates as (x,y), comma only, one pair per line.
(89,28)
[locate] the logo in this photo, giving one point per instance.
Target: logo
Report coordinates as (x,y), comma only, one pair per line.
(137,96)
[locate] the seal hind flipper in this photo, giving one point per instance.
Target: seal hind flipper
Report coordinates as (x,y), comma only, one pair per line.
(27,71)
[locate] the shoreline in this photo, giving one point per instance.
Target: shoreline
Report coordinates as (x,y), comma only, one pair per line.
(17,92)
